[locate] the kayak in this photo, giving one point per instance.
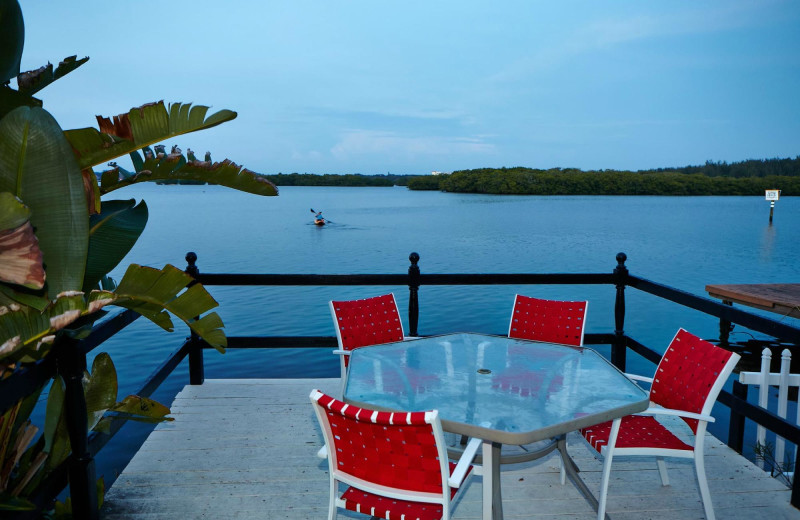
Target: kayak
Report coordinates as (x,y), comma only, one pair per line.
(319,221)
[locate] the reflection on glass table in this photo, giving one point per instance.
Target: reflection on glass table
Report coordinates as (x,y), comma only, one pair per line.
(501,390)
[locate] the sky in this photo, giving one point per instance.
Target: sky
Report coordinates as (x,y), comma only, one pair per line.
(381,87)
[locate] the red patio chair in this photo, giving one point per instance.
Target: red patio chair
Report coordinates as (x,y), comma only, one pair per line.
(359,323)
(394,464)
(688,380)
(549,321)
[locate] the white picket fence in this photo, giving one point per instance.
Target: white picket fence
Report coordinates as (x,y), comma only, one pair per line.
(783,380)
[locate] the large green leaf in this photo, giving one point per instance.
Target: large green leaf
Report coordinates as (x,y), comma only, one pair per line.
(112,234)
(56,436)
(100,389)
(11,99)
(11,503)
(9,296)
(176,167)
(12,39)
(33,81)
(140,127)
(20,256)
(52,416)
(152,292)
(38,166)
(27,334)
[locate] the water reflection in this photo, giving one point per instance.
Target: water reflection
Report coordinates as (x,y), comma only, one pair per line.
(768,237)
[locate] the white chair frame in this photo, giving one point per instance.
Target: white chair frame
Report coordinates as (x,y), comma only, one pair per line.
(697,453)
(456,480)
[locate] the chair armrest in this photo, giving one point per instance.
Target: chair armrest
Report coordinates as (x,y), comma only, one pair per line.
(457,477)
(653,410)
(342,352)
(636,377)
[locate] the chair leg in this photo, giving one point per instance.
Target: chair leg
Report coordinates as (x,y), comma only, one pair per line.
(662,471)
(612,442)
(705,494)
(332,508)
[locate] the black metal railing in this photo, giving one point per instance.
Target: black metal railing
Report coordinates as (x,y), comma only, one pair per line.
(68,358)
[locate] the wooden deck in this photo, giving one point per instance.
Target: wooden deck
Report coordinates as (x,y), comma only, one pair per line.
(780,298)
(246,449)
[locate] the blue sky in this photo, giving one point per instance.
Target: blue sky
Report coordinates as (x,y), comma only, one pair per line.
(379,87)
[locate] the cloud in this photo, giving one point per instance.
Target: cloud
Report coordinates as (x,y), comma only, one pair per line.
(357,142)
(609,32)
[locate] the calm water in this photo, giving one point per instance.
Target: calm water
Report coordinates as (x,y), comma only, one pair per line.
(686,242)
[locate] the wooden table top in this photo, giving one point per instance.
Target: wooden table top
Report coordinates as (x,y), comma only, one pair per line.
(780,298)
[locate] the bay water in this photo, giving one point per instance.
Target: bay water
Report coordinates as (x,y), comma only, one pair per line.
(685,242)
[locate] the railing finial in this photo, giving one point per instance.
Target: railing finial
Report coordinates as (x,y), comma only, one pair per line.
(191,268)
(414,258)
(621,257)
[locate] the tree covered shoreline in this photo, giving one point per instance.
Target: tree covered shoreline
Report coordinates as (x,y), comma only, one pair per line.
(743,178)
(750,177)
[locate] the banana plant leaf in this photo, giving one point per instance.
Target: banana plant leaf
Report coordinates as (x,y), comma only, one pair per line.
(37,165)
(135,408)
(140,127)
(56,439)
(11,503)
(176,167)
(100,389)
(27,334)
(20,256)
(112,234)
(12,39)
(152,292)
(9,295)
(7,436)
(11,99)
(33,81)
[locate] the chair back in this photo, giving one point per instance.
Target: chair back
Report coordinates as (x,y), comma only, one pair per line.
(400,452)
(691,374)
(550,321)
(370,321)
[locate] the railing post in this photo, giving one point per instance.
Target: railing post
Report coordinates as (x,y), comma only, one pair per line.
(725,328)
(736,423)
(619,346)
(196,370)
(82,480)
(413,297)
(795,498)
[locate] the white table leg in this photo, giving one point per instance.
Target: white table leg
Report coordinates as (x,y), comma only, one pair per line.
(492,497)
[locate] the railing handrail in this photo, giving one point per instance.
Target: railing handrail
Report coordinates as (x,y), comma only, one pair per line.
(29,378)
(763,324)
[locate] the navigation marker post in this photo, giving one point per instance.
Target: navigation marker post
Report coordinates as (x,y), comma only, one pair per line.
(772,196)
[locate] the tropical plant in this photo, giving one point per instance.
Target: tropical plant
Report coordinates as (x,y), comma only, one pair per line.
(59,240)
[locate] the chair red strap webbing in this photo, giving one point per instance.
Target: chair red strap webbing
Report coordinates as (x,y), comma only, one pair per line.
(635,431)
(550,321)
(382,507)
(397,450)
(686,374)
(371,321)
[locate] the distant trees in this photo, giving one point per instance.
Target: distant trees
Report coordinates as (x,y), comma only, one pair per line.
(309,179)
(744,178)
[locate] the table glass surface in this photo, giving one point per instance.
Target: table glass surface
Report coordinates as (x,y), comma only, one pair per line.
(524,390)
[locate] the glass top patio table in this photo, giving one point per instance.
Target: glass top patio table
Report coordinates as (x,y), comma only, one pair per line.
(499,389)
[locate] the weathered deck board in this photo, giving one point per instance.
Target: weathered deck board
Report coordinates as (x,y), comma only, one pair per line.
(781,298)
(246,449)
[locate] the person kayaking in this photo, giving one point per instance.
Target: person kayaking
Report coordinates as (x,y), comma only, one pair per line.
(319,219)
